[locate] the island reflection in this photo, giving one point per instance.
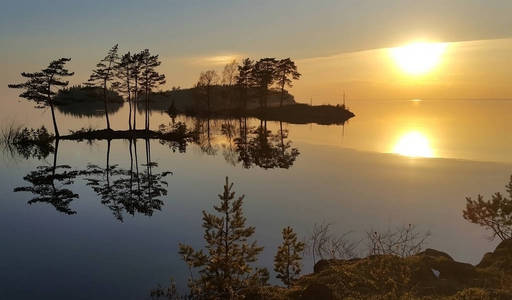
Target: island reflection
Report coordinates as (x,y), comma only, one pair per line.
(138,187)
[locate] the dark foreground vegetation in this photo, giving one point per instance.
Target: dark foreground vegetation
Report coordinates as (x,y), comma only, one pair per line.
(395,265)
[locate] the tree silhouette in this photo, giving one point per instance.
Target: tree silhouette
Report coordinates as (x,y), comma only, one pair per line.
(49,185)
(41,87)
(264,75)
(229,73)
(103,74)
(225,270)
(124,85)
(494,215)
(287,260)
(149,78)
(206,80)
(136,69)
(286,70)
(244,80)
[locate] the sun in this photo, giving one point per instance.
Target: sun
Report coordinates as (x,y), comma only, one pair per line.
(413,144)
(418,58)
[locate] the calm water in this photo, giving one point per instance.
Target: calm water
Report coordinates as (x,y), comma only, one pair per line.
(346,175)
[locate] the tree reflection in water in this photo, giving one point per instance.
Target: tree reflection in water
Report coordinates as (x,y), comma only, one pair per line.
(49,185)
(128,190)
(249,146)
(138,189)
(262,148)
(121,190)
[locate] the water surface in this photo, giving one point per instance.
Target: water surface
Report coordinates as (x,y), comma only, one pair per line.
(347,175)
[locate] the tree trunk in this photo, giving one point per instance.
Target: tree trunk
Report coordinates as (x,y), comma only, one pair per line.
(137,168)
(55,165)
(55,157)
(135,105)
(105,103)
(208,96)
(282,136)
(130,104)
(55,128)
(130,115)
(147,110)
(108,165)
(282,96)
(131,169)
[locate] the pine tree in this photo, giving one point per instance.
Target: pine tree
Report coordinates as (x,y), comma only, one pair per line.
(494,214)
(264,75)
(244,80)
(103,74)
(225,269)
(286,70)
(125,83)
(149,78)
(136,69)
(40,87)
(287,260)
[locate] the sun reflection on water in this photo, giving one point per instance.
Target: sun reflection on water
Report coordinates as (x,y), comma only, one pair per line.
(413,144)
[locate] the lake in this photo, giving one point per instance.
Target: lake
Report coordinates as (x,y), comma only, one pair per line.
(396,162)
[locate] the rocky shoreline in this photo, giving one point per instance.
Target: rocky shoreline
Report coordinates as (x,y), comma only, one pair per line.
(430,274)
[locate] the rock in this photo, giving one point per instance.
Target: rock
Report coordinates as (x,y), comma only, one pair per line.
(324,264)
(431,273)
(500,259)
(317,291)
(435,253)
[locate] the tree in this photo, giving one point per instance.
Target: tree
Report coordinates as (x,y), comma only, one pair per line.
(324,245)
(264,75)
(124,85)
(286,70)
(206,80)
(41,87)
(229,73)
(136,69)
(229,79)
(225,269)
(103,74)
(244,80)
(287,260)
(494,215)
(150,78)
(403,241)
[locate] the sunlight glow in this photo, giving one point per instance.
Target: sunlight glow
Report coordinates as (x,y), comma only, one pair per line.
(418,58)
(413,144)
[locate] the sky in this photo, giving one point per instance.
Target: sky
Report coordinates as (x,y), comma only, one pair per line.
(338,45)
